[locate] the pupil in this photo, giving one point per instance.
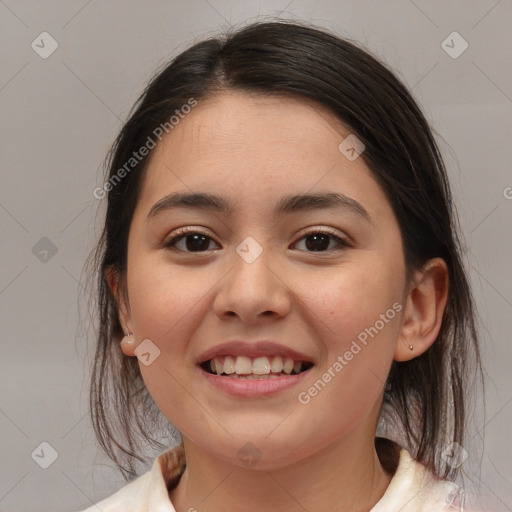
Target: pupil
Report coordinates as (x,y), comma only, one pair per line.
(316,242)
(198,242)
(320,242)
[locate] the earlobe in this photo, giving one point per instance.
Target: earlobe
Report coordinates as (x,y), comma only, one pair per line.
(128,341)
(424,309)
(128,345)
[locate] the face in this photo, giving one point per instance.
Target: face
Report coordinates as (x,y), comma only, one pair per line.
(262,283)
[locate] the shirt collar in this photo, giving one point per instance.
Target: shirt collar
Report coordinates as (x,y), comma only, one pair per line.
(165,475)
(411,488)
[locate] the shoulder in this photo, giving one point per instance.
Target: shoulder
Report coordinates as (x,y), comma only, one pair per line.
(130,498)
(149,491)
(414,489)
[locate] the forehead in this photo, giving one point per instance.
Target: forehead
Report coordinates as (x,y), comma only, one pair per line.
(254,148)
(239,122)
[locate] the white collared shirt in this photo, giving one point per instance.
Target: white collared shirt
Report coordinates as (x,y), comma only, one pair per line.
(412,489)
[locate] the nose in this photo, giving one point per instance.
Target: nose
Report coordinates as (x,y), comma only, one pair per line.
(252,291)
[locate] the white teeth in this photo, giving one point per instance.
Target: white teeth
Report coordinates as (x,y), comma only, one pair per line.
(269,367)
(261,366)
(229,365)
(219,368)
(288,365)
(242,365)
(277,365)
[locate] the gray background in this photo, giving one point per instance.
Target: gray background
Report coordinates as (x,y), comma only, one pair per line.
(58,118)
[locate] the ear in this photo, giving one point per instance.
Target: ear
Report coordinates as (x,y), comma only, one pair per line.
(112,277)
(423,312)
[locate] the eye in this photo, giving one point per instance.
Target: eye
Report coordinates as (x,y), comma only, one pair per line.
(320,241)
(191,240)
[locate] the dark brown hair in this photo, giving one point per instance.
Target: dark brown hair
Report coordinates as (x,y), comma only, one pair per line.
(427,395)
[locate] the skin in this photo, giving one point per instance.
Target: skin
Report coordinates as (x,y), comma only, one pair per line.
(252,150)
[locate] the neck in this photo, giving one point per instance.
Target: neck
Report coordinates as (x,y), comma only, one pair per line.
(345,475)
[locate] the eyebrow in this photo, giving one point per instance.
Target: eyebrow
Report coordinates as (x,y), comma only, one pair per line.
(287,204)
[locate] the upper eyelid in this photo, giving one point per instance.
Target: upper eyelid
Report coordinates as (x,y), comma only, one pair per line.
(183,232)
(312,229)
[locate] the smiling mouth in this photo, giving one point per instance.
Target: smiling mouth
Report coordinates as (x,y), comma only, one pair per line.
(256,368)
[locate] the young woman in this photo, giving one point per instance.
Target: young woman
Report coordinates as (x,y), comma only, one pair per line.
(280,270)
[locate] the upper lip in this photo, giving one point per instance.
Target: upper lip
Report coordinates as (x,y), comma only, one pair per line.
(258,348)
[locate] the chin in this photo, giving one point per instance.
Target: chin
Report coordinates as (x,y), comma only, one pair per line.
(258,451)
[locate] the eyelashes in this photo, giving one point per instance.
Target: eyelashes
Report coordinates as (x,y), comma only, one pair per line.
(195,241)
(184,233)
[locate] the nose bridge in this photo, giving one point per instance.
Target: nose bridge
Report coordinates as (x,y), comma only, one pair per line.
(252,286)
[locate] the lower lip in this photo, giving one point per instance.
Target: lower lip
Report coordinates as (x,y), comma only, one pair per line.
(247,388)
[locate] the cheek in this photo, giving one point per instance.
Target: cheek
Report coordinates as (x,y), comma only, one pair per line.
(167,306)
(353,299)
(358,311)
(164,299)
